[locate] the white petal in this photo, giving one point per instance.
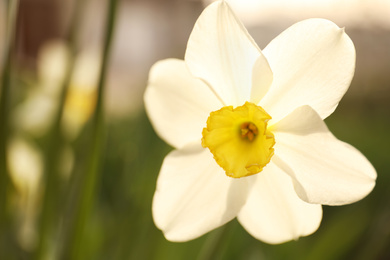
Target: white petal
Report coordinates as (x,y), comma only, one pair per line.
(261,79)
(178,104)
(313,63)
(222,53)
(194,196)
(273,212)
(325,170)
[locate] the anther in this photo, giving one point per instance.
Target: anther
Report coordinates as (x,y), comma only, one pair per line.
(248,131)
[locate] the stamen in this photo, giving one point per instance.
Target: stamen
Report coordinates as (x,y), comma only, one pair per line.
(249,131)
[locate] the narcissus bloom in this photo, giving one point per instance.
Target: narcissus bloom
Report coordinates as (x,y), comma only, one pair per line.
(248,132)
(36,113)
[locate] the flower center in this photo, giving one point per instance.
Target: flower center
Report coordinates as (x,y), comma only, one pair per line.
(239,139)
(248,131)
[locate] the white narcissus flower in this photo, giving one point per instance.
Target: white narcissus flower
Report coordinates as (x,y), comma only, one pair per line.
(248,130)
(36,113)
(25,168)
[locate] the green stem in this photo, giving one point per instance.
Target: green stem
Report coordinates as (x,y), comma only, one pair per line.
(91,179)
(5,77)
(213,244)
(52,196)
(52,193)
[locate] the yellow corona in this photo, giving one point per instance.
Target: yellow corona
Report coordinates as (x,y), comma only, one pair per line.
(239,139)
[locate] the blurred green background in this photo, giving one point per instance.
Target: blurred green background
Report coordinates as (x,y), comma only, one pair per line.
(117,217)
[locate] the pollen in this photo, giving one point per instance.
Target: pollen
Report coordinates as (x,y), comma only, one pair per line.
(248,131)
(239,139)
